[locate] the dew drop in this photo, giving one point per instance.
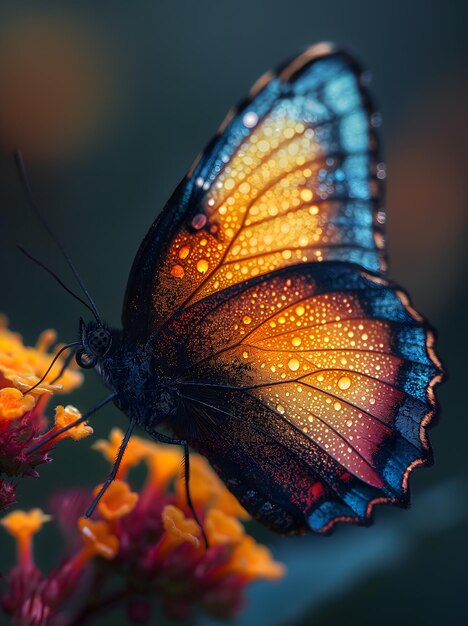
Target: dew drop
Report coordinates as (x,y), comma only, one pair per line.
(280,408)
(202,266)
(246,320)
(337,406)
(306,195)
(250,119)
(245,355)
(184,252)
(293,365)
(177,271)
(344,383)
(300,310)
(349,423)
(199,221)
(296,341)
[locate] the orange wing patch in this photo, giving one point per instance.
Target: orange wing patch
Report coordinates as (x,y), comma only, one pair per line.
(271,175)
(346,367)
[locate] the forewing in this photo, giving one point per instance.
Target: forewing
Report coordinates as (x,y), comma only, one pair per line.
(292,176)
(324,368)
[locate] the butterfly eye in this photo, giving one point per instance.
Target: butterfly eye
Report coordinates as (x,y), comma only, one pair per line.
(99,341)
(85,360)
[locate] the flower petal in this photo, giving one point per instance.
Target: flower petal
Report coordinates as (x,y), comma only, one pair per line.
(180,528)
(252,560)
(117,501)
(64,416)
(134,452)
(24,523)
(14,404)
(208,490)
(222,529)
(98,538)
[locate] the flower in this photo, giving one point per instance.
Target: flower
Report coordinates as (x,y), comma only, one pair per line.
(14,404)
(23,525)
(22,367)
(179,528)
(67,415)
(134,452)
(139,546)
(117,501)
(22,417)
(146,546)
(98,539)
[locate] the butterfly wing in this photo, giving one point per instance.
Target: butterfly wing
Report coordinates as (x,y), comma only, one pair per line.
(309,390)
(292,176)
(304,377)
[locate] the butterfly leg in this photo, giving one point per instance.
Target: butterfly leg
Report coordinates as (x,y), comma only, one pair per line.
(180,442)
(114,471)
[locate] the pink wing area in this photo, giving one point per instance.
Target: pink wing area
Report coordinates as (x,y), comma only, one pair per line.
(309,390)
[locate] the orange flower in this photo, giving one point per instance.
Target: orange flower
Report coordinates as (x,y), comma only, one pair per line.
(24,367)
(208,490)
(164,462)
(98,538)
(252,560)
(134,452)
(222,529)
(65,416)
(13,404)
(23,525)
(179,528)
(117,501)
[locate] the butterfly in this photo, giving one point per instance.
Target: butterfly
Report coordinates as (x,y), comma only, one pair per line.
(259,326)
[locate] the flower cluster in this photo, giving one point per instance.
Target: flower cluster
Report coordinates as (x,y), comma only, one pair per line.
(148,540)
(22,418)
(140,548)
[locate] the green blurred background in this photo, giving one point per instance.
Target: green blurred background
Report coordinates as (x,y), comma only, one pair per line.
(111,102)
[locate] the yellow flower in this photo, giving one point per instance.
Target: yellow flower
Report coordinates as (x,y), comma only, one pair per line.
(13,404)
(252,560)
(179,528)
(98,538)
(24,367)
(117,501)
(208,490)
(164,462)
(222,529)
(23,525)
(134,453)
(67,415)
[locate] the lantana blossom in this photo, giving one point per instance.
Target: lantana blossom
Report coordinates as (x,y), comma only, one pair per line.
(141,548)
(22,406)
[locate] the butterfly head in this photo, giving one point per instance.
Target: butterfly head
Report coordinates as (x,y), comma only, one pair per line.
(96,341)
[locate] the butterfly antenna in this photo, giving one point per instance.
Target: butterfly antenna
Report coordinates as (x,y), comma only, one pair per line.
(29,195)
(26,253)
(67,347)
